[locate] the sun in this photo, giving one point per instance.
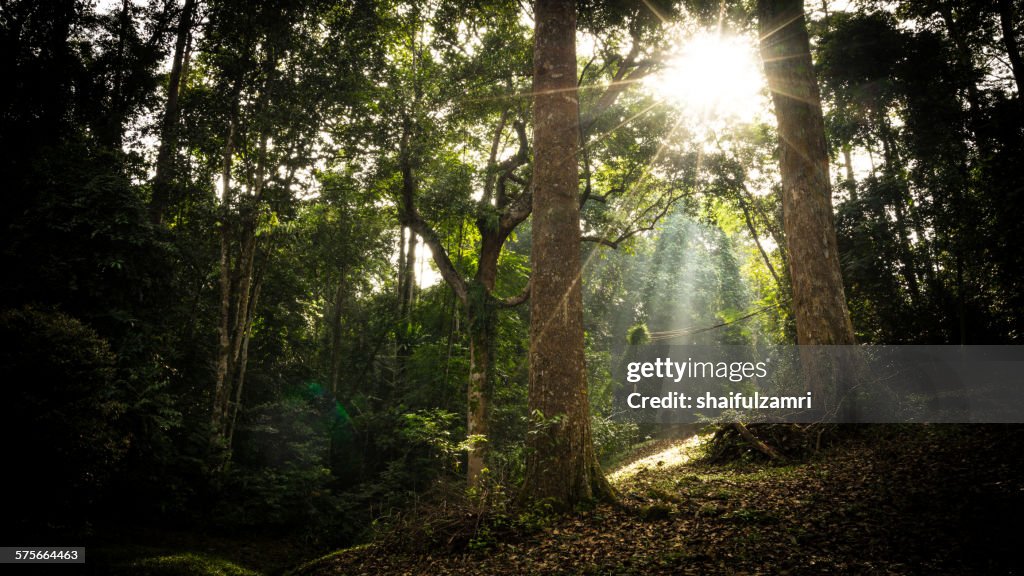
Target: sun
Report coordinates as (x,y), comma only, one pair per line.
(713,76)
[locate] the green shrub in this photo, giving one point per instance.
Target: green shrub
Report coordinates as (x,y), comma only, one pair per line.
(62,419)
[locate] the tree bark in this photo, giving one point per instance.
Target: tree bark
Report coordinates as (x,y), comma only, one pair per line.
(561,466)
(336,335)
(819,301)
(222,383)
(1006,21)
(169,125)
(851,181)
(482,332)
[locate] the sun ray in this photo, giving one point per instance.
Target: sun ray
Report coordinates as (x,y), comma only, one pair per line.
(796,16)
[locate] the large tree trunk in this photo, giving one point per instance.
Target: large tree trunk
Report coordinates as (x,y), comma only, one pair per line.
(819,302)
(169,125)
(560,463)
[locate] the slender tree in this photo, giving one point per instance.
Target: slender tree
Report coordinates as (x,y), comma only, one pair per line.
(172,113)
(1007,22)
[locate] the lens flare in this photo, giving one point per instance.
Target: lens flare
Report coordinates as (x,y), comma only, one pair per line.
(714,76)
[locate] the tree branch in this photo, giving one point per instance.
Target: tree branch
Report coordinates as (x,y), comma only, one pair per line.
(517,299)
(628,73)
(492,159)
(757,442)
(410,217)
(629,233)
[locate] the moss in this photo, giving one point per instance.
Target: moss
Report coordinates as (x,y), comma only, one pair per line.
(313,565)
(656,511)
(186,564)
(638,335)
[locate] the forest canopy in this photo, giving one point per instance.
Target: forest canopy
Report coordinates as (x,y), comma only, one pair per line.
(289,267)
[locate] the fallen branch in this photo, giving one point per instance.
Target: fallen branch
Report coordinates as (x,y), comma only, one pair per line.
(756,442)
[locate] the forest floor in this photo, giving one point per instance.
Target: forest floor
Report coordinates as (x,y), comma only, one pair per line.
(896,500)
(904,499)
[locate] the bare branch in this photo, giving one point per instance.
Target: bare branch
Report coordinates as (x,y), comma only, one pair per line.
(492,159)
(518,210)
(441,259)
(613,244)
(410,217)
(652,221)
(630,71)
(757,240)
(517,299)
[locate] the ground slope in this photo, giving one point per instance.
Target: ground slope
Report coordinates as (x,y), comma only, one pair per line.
(894,500)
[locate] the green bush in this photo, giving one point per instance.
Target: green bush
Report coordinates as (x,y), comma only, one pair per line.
(62,419)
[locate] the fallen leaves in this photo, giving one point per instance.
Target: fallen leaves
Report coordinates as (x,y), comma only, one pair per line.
(901,500)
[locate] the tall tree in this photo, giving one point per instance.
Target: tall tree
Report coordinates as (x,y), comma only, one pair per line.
(439,77)
(560,463)
(1007,22)
(169,127)
(819,301)
(276,84)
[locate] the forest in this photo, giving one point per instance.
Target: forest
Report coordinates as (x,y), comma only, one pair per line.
(322,287)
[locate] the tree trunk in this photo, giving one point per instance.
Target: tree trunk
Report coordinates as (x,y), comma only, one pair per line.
(222,383)
(819,301)
(1006,14)
(406,295)
(482,313)
(560,463)
(401,269)
(336,335)
(410,274)
(243,361)
(482,332)
(851,181)
(894,170)
(169,125)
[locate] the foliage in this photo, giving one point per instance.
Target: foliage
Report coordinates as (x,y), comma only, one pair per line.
(66,410)
(353,408)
